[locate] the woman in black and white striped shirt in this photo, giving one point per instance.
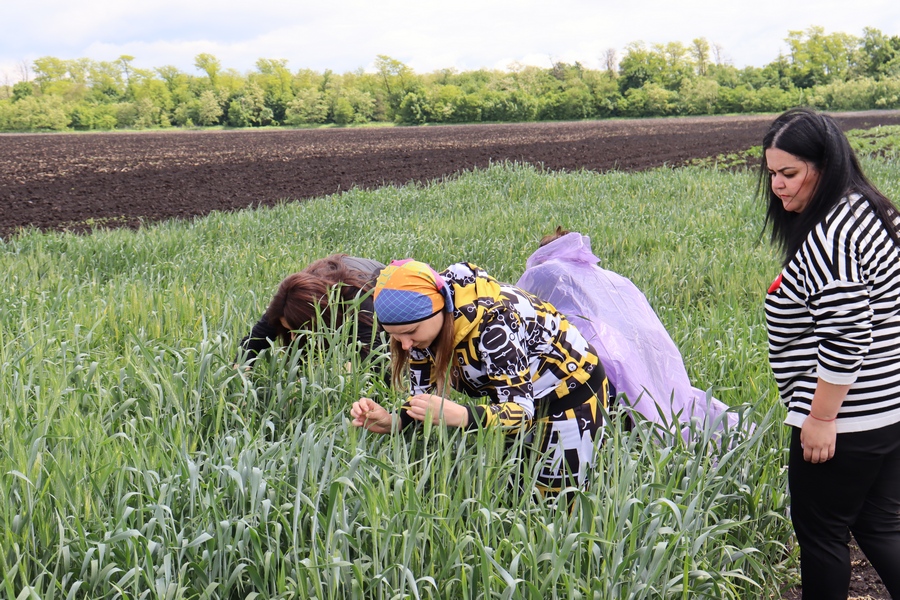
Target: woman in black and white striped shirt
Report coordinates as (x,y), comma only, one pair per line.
(833,318)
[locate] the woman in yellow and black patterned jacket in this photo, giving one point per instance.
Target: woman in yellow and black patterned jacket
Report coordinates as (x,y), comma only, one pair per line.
(494,341)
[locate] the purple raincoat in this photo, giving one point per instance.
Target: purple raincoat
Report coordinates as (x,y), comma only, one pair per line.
(640,358)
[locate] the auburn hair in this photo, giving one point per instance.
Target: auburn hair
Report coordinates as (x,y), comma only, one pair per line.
(550,237)
(303,297)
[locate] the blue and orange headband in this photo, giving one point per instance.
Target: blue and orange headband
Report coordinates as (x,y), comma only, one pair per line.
(409,291)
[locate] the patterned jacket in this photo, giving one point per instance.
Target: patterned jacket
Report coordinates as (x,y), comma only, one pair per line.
(511,348)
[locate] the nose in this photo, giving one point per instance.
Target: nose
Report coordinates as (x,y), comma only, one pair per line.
(777,182)
(405,342)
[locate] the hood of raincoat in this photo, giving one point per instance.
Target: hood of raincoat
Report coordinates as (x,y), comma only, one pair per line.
(572,247)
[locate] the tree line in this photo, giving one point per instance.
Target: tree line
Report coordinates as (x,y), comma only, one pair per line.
(835,71)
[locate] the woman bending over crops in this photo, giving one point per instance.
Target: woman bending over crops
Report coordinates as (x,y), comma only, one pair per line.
(641,361)
(833,318)
(303,299)
(490,340)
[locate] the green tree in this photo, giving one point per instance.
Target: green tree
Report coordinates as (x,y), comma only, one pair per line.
(124,62)
(605,92)
(342,111)
(274,78)
(700,51)
(363,104)
(248,109)
(649,100)
(571,102)
(105,80)
(86,116)
(817,58)
(210,65)
(22,89)
(79,70)
(65,78)
(679,66)
(397,80)
(858,94)
(178,86)
(640,65)
(725,75)
(209,109)
(778,73)
(698,96)
(37,113)
(414,109)
(887,93)
(444,100)
(51,74)
(147,88)
(880,56)
(186,113)
(770,99)
(307,107)
(274,75)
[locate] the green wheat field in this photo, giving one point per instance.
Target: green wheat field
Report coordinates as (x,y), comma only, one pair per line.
(137,462)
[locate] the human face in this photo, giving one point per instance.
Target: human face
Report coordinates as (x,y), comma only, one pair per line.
(287,326)
(417,335)
(793,179)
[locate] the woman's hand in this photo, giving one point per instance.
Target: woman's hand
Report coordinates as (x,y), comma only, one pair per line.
(369,414)
(817,438)
(438,410)
(819,435)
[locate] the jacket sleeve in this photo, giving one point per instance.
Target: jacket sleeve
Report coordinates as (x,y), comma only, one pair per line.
(838,300)
(258,339)
(504,354)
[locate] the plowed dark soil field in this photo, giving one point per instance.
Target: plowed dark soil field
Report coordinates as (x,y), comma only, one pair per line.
(80,181)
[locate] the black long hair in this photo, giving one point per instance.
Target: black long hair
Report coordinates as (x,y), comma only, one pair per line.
(816,139)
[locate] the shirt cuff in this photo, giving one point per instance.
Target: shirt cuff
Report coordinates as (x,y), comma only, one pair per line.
(475,417)
(836,378)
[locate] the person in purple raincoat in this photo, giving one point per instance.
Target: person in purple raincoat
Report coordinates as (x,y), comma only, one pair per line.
(641,360)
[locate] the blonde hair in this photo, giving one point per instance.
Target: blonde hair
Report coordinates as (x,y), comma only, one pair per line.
(443,357)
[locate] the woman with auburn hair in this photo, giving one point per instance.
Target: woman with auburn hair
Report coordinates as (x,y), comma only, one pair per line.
(303,298)
(833,319)
(463,329)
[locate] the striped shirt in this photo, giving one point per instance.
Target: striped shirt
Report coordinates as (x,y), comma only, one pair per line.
(835,315)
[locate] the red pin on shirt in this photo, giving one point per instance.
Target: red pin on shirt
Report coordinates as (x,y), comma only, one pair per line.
(775,284)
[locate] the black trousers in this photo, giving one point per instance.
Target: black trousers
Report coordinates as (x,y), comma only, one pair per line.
(856,491)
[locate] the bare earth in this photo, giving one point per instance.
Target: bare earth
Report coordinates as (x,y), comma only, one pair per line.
(76,181)
(80,181)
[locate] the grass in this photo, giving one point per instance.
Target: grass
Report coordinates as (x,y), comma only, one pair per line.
(136,462)
(882,141)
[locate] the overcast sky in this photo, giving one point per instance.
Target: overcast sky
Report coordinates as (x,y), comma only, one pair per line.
(345,35)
